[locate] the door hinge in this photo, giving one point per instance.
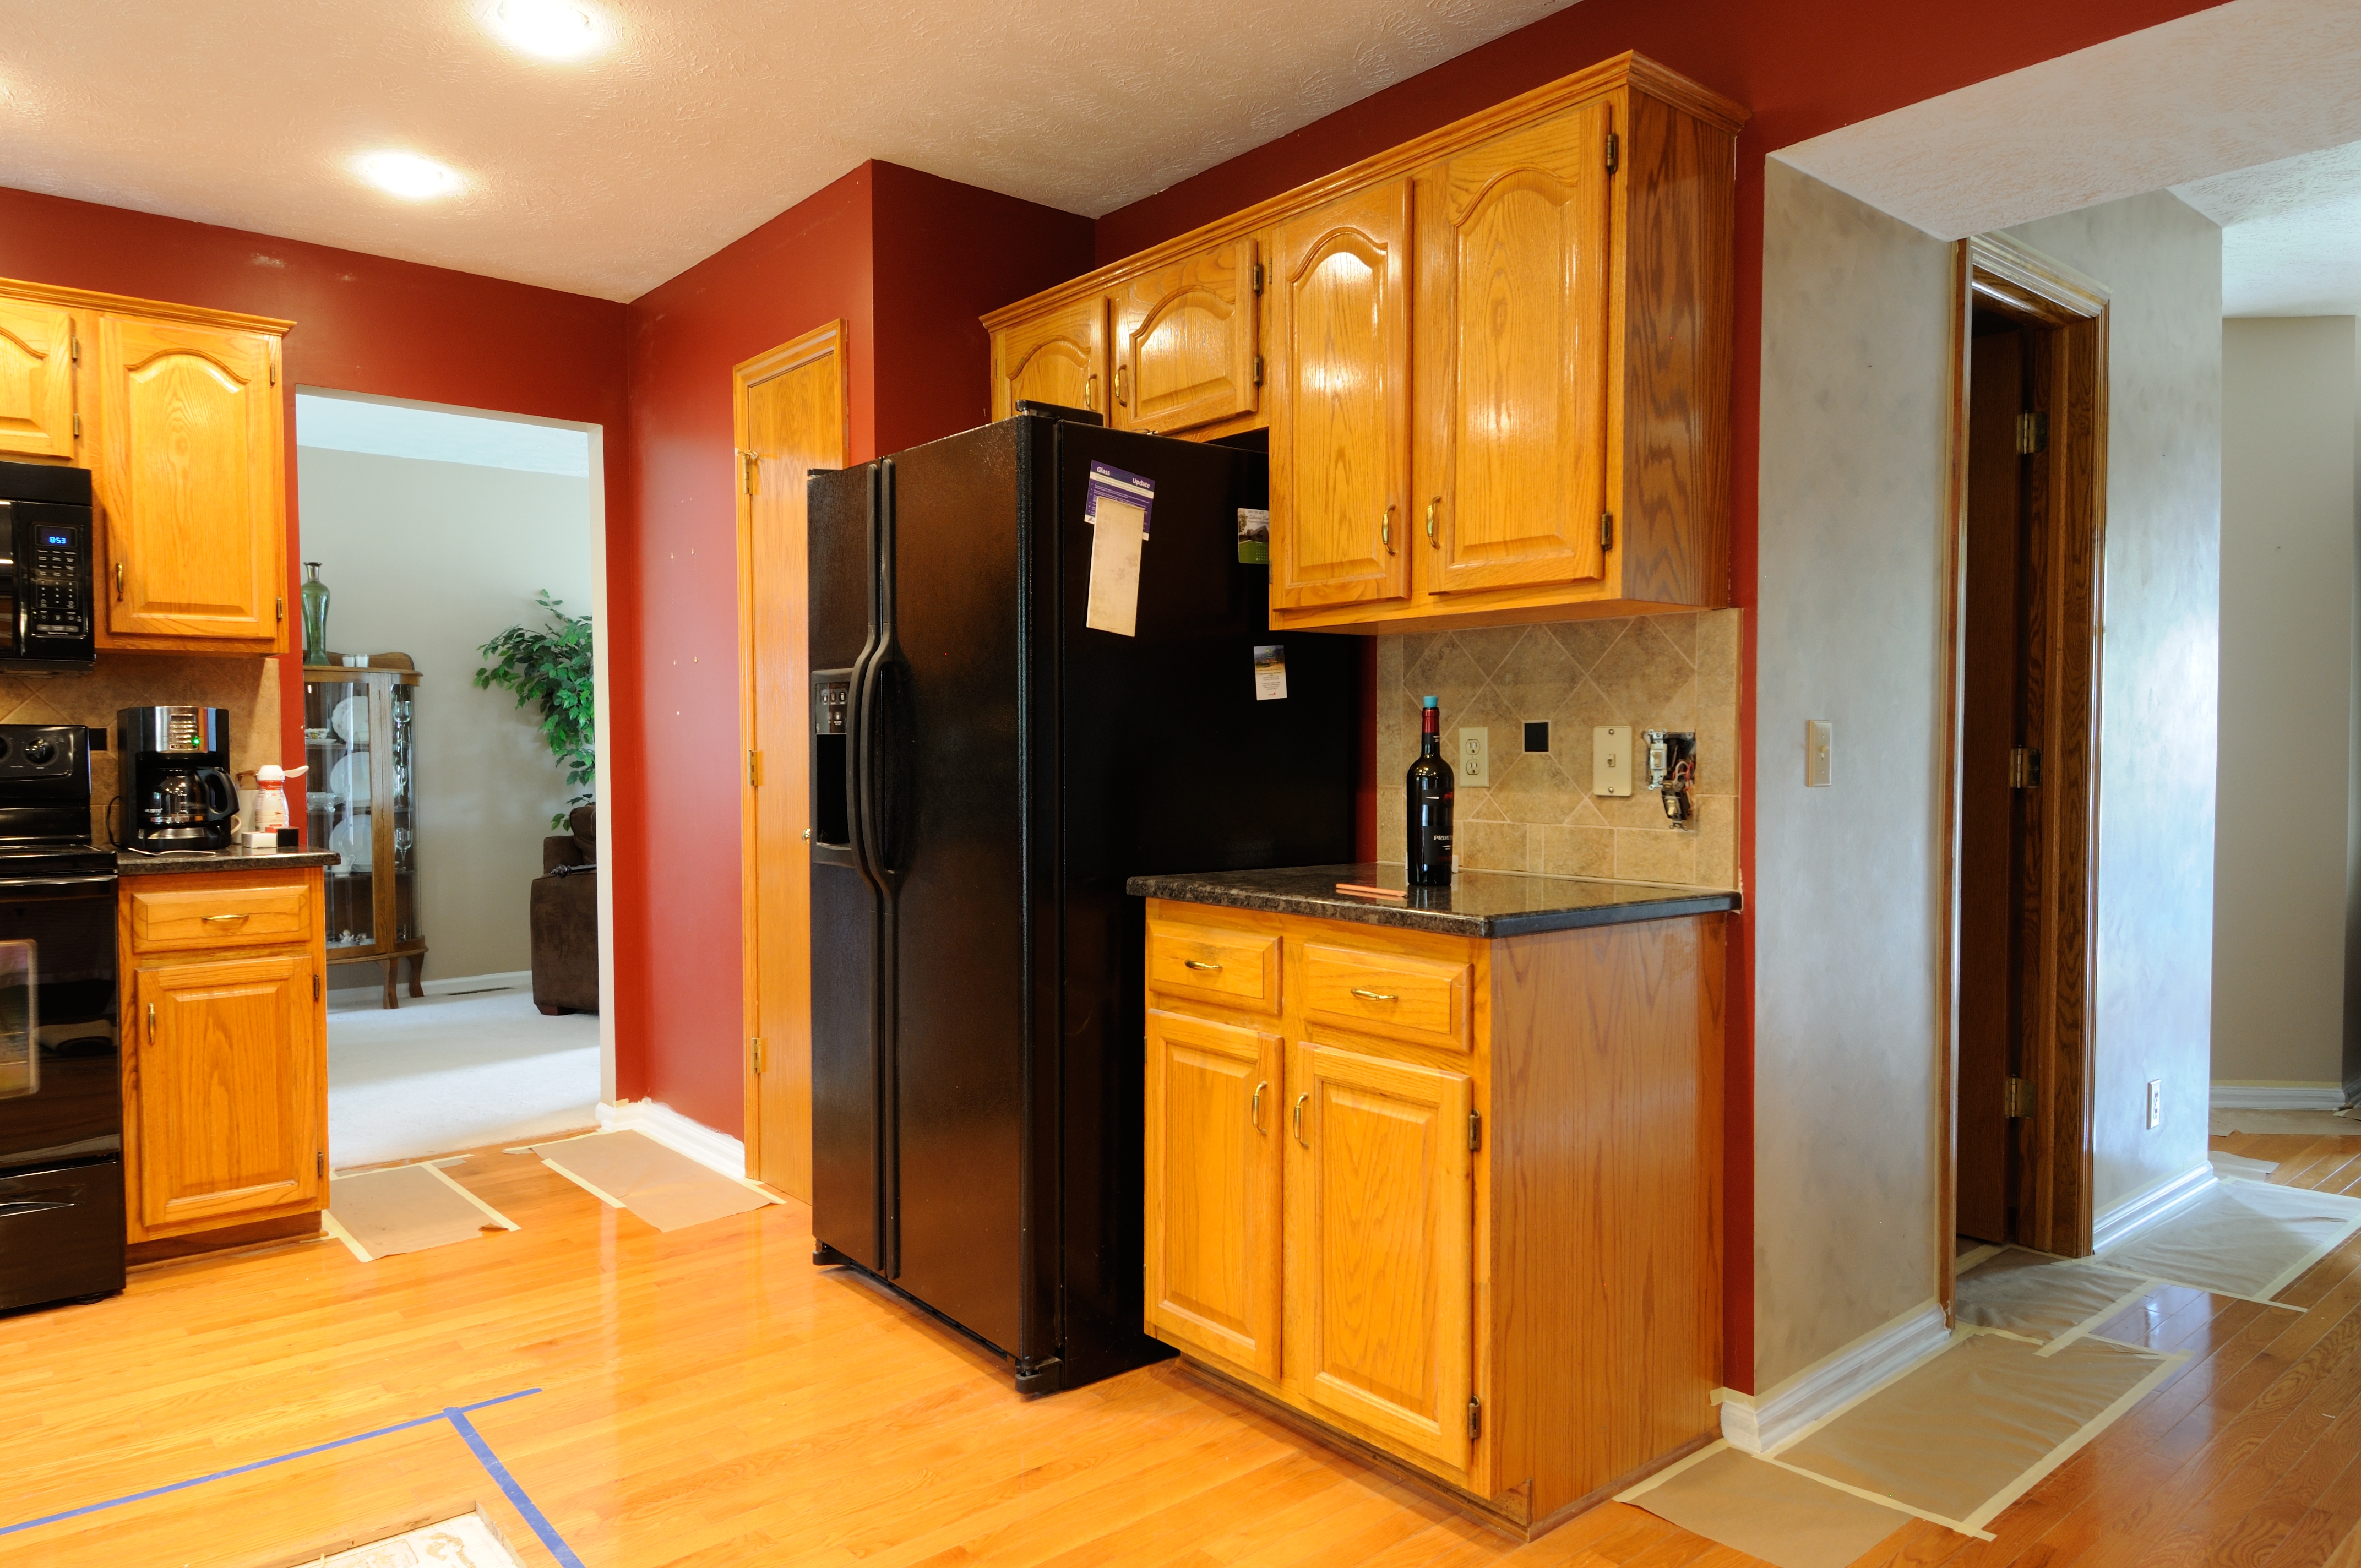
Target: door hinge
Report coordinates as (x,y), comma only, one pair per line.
(274,370)
(76,345)
(1257,274)
(315,988)
(1474,1420)
(1605,530)
(2019,1097)
(757,1041)
(1257,369)
(1475,1130)
(281,601)
(320,1161)
(753,770)
(747,466)
(2023,769)
(77,424)
(2032,433)
(1614,151)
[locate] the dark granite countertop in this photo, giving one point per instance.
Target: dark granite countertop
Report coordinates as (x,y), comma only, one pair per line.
(127,863)
(1477,904)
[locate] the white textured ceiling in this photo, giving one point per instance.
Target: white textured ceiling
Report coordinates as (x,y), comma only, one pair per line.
(2249,83)
(2290,233)
(705,118)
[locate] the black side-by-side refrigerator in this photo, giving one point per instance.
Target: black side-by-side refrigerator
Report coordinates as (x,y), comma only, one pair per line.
(986,771)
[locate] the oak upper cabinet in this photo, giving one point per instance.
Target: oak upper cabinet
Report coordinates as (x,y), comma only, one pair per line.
(1186,342)
(1496,360)
(194,492)
(1381,1215)
(1214,1146)
(1515,291)
(36,381)
(1060,357)
(1340,402)
(228,1095)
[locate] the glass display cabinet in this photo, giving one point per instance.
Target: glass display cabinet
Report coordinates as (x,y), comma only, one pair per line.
(359,741)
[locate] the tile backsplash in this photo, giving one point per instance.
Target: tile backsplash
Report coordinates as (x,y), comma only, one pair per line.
(1656,671)
(248,687)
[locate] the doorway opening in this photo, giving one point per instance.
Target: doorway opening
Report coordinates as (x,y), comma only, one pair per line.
(466,980)
(2028,466)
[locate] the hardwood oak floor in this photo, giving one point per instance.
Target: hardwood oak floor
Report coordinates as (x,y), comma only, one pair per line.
(710,1397)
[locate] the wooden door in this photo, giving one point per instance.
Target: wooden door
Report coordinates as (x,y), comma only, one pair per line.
(791,418)
(1185,342)
(1340,401)
(36,379)
(1523,290)
(1215,1104)
(192,486)
(1059,358)
(1380,1213)
(226,1092)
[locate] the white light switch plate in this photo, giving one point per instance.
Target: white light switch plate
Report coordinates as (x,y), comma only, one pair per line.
(1610,760)
(1819,739)
(2155,1102)
(1475,764)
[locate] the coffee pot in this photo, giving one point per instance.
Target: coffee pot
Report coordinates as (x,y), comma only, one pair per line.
(178,794)
(193,803)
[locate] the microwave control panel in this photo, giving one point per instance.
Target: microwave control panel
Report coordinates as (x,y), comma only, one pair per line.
(56,576)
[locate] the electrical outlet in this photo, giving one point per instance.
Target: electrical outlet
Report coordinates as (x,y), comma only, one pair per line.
(1475,764)
(1819,739)
(2155,1102)
(1610,760)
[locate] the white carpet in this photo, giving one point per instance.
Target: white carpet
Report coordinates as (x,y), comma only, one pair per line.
(444,1073)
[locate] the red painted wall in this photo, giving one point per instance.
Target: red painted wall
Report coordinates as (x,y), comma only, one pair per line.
(363,324)
(1804,67)
(909,261)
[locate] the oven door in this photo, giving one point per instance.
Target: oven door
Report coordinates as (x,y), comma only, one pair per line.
(61,1062)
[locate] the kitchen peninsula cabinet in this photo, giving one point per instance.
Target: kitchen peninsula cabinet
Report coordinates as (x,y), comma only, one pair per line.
(180,415)
(1497,371)
(1443,1191)
(225,1051)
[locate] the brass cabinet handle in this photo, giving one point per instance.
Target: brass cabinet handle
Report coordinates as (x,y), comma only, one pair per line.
(1091,391)
(1299,1119)
(118,582)
(212,919)
(1254,1107)
(1430,507)
(1386,530)
(151,1020)
(1193,963)
(1375,995)
(1122,385)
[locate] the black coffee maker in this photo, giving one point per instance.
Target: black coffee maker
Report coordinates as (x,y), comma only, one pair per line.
(177,791)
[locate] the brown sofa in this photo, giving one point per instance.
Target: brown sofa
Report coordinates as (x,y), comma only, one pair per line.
(565,919)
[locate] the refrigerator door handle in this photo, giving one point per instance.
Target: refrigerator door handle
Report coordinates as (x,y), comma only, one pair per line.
(875,738)
(856,709)
(874,807)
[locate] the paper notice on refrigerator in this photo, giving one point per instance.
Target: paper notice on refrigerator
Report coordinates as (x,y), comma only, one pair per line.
(1118,530)
(1271,672)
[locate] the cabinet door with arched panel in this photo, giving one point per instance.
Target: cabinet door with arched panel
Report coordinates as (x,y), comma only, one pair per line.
(1185,342)
(36,379)
(1058,358)
(192,488)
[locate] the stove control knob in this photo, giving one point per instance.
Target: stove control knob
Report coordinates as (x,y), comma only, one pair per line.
(40,752)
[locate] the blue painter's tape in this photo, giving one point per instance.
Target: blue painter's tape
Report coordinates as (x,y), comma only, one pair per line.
(533,1516)
(451,1415)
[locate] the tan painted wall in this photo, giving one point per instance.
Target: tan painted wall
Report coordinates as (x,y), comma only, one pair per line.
(433,559)
(2287,671)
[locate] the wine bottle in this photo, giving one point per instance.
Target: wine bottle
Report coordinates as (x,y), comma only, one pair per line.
(1430,793)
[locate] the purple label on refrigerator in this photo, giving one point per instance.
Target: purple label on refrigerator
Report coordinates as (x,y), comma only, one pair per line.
(1127,489)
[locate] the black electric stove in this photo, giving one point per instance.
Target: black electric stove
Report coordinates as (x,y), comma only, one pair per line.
(60,1059)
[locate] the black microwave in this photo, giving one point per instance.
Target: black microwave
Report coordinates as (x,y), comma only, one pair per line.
(47,604)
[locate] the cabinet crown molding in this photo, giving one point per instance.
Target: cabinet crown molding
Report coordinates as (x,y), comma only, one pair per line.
(131,304)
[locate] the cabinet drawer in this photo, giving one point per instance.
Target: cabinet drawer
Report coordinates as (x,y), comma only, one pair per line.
(167,919)
(1408,997)
(1233,969)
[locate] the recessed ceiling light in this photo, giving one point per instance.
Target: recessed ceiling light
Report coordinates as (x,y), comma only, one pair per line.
(554,29)
(406,174)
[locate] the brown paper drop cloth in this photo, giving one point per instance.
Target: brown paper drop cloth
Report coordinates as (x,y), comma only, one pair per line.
(406,1209)
(1784,1519)
(2041,1296)
(2242,1238)
(662,1186)
(1966,1432)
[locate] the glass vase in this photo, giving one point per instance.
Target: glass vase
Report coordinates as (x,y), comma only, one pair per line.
(316,615)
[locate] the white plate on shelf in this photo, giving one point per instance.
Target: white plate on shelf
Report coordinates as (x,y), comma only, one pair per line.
(355,841)
(351,721)
(350,778)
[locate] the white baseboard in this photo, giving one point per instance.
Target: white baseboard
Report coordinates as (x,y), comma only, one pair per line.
(1759,1423)
(2128,1218)
(511,980)
(2277,1097)
(681,1133)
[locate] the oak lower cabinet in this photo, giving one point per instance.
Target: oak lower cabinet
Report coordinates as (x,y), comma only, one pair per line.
(225,1056)
(1453,1202)
(179,414)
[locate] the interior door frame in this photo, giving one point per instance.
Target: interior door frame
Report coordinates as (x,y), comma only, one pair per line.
(817,343)
(2005,274)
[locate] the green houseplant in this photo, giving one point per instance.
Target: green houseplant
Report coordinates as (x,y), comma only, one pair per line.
(550,666)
